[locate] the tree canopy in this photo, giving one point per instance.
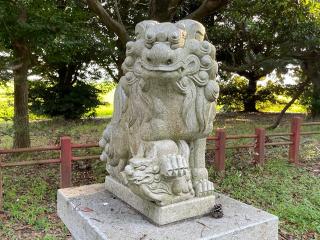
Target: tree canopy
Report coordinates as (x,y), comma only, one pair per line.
(253,38)
(67,42)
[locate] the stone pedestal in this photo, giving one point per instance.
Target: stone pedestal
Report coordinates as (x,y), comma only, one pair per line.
(90,213)
(197,206)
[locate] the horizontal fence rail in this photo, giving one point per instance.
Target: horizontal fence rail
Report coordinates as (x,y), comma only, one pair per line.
(24,150)
(65,160)
(220,140)
(310,123)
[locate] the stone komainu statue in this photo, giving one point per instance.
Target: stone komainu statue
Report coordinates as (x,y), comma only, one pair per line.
(164,108)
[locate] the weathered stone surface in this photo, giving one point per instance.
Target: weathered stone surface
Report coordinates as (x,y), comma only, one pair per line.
(92,213)
(161,215)
(164,108)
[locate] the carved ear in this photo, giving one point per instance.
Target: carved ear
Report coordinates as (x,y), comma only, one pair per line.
(192,65)
(194,29)
(141,28)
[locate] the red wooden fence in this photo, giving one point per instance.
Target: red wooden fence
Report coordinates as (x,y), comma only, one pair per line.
(66,157)
(260,143)
(221,138)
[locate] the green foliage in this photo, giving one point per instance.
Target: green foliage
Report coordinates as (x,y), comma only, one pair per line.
(233,93)
(30,201)
(105,107)
(253,38)
(267,106)
(38,28)
(247,36)
(311,99)
(5,59)
(51,100)
(106,87)
(315,105)
(6,102)
(67,48)
(282,189)
(68,44)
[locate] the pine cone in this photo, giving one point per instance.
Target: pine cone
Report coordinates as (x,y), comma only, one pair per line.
(217,211)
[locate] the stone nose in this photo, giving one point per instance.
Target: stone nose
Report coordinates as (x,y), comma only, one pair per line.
(160,54)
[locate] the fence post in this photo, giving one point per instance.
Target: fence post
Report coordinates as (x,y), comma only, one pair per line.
(295,139)
(66,162)
(219,156)
(259,150)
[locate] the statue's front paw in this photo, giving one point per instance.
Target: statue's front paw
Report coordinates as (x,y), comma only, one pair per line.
(174,165)
(203,188)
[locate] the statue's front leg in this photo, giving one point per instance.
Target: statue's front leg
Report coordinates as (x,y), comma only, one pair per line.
(201,184)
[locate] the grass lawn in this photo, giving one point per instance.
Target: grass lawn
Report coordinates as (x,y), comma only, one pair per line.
(105,109)
(292,193)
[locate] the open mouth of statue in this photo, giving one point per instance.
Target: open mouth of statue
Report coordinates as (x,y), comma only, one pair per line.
(179,66)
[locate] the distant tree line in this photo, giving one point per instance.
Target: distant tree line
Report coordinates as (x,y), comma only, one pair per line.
(67,41)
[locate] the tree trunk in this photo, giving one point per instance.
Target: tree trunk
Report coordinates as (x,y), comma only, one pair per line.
(120,60)
(21,116)
(207,7)
(315,104)
(66,78)
(250,97)
(298,93)
(163,10)
(312,71)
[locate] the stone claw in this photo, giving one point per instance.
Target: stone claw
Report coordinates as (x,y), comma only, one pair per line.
(174,165)
(204,188)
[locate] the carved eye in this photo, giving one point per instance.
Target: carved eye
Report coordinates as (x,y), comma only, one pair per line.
(141,168)
(169,61)
(199,35)
(148,59)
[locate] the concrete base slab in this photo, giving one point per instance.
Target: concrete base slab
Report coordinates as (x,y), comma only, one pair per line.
(194,207)
(90,213)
